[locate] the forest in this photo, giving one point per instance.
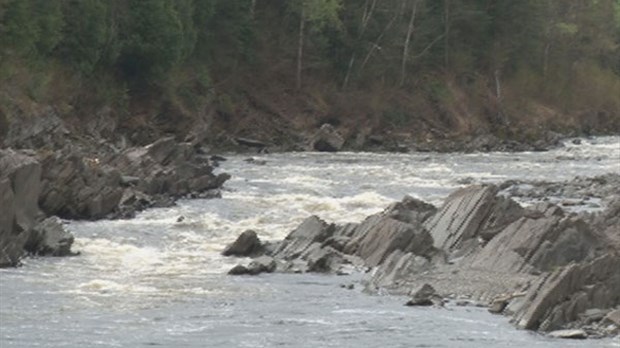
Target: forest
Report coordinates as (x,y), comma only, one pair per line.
(428,67)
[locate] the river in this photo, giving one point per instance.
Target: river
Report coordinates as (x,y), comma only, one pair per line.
(157,281)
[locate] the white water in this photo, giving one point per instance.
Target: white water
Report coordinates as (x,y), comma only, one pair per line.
(155,281)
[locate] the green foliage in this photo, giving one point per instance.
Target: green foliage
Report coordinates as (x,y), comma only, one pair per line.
(547,49)
(154,40)
(86,34)
(19,32)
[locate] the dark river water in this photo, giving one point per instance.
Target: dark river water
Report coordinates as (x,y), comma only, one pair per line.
(153,281)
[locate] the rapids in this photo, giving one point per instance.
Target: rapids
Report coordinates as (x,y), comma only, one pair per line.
(158,281)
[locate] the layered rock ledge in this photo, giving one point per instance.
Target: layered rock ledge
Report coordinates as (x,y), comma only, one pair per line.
(47,171)
(547,268)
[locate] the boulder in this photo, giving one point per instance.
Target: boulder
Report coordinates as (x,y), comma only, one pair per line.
(424,295)
(19,190)
(49,238)
(24,173)
(239,270)
(327,139)
(247,244)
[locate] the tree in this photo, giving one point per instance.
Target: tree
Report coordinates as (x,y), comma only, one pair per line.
(154,40)
(318,14)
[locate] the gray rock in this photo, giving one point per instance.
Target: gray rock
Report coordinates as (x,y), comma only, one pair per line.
(19,191)
(498,305)
(562,296)
(35,129)
(540,244)
(251,142)
(378,236)
(410,210)
(247,244)
(398,266)
(312,230)
(263,264)
(50,238)
(424,295)
(613,317)
(570,334)
(327,139)
(324,260)
(461,216)
(24,172)
(239,270)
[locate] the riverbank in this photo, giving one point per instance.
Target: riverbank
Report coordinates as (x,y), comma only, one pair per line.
(99,169)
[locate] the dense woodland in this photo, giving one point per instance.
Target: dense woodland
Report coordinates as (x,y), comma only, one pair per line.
(425,66)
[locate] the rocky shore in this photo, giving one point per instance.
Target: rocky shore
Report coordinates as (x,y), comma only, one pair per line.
(549,269)
(47,171)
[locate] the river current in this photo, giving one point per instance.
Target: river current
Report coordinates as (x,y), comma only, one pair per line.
(159,280)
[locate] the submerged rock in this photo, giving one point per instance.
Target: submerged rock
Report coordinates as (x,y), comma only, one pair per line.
(263,264)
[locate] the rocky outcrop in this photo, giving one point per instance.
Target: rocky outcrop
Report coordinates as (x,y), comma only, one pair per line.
(20,230)
(550,269)
(327,139)
(539,245)
(79,186)
(559,298)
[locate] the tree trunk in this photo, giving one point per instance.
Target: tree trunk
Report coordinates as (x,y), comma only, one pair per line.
(403,67)
(253,8)
(365,19)
(546,60)
(300,47)
(375,45)
(446,4)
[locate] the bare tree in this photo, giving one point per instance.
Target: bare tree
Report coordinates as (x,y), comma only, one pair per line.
(366,16)
(403,66)
(300,46)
